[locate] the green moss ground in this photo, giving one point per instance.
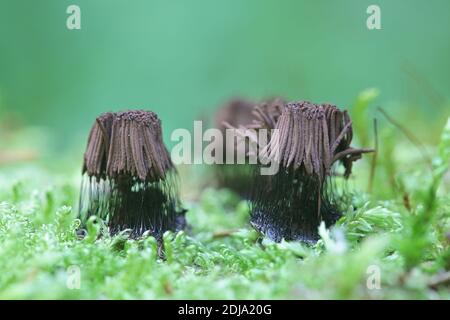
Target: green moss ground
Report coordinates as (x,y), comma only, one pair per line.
(397,233)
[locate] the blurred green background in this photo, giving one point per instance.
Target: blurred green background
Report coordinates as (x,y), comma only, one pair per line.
(182,59)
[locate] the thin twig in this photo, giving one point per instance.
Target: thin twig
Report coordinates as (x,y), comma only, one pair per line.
(351,151)
(409,135)
(440,279)
(373,165)
(422,82)
(224,233)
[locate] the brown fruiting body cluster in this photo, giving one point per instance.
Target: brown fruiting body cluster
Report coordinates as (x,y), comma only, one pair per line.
(127,143)
(313,137)
(129,179)
(309,139)
(266,114)
(237,114)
